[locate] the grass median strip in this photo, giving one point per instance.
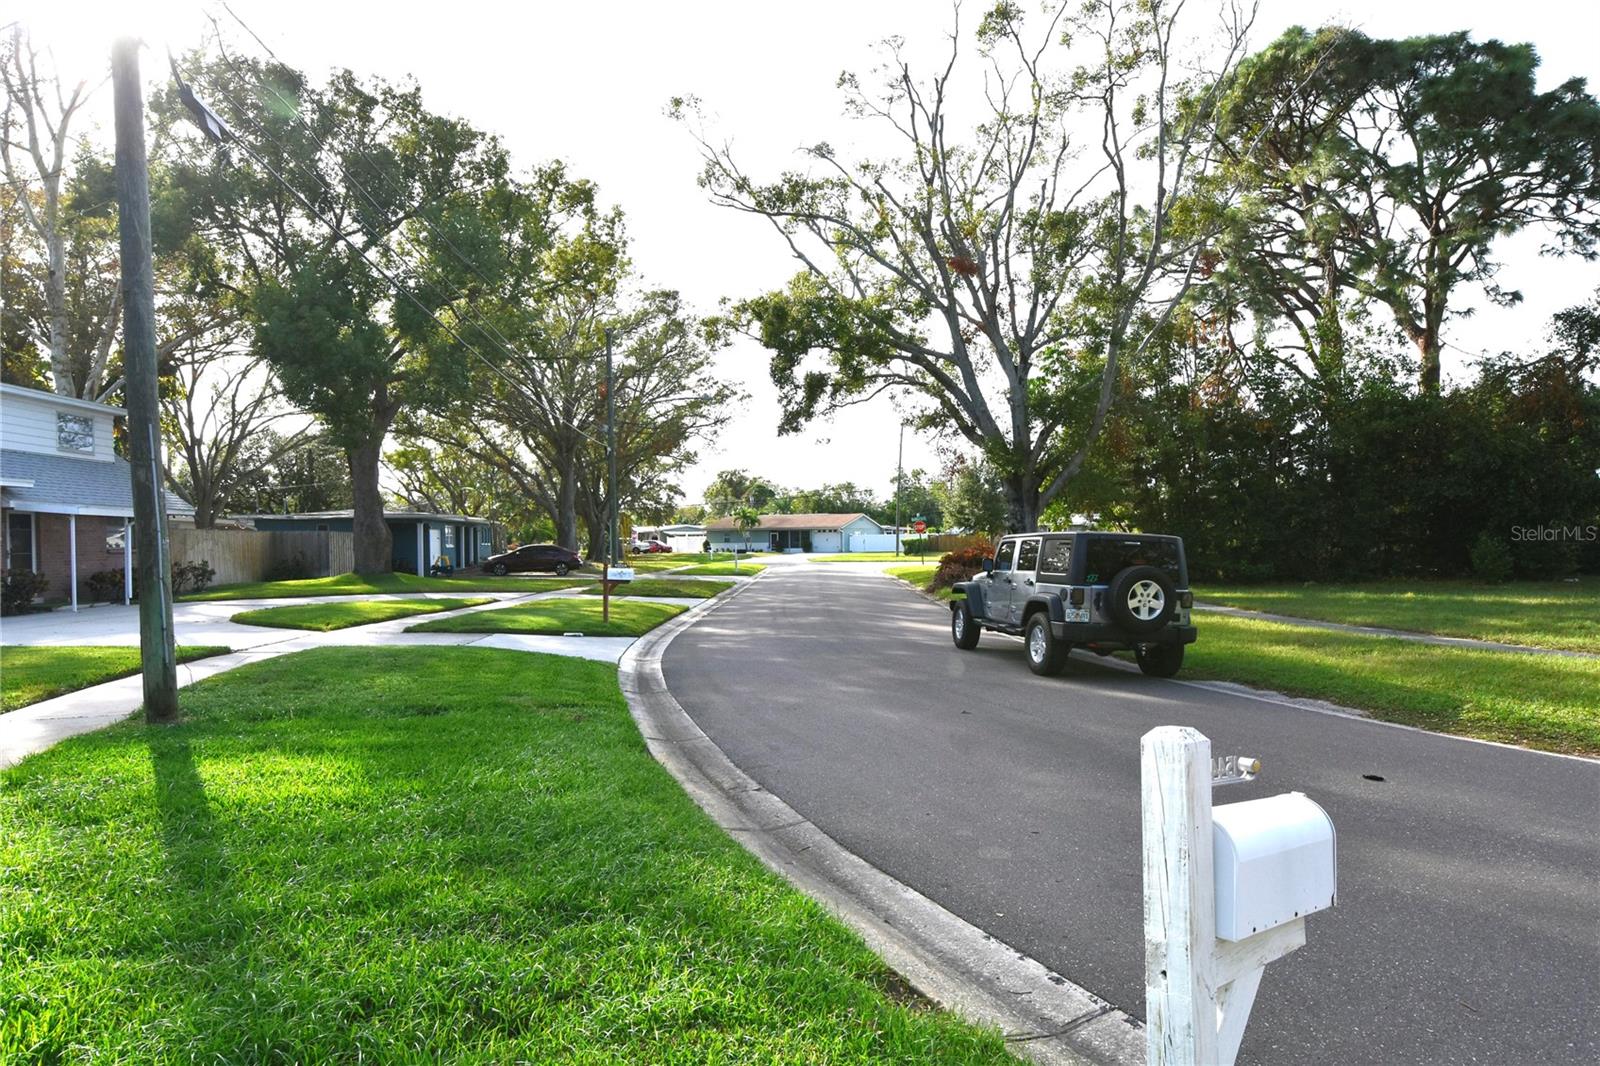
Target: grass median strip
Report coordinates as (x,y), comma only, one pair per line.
(408,854)
(689,589)
(1539,701)
(368,584)
(30,673)
(722,569)
(918,578)
(565,614)
(324,617)
(1543,614)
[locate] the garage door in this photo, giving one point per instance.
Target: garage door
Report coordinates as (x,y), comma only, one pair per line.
(827,542)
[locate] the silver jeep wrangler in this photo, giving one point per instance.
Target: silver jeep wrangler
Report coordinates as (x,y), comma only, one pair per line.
(1098,591)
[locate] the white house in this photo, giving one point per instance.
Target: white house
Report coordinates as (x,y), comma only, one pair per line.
(681,537)
(797,533)
(66,499)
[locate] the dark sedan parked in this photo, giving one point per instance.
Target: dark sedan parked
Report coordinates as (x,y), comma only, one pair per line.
(542,558)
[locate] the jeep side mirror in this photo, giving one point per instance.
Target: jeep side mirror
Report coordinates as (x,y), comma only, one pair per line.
(988,566)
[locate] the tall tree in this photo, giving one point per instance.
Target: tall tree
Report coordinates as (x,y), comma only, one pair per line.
(1389,170)
(973,273)
(215,412)
(35,130)
(313,476)
(732,489)
(345,187)
(667,401)
(970,497)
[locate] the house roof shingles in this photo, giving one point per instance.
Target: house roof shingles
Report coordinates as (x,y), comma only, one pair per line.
(793,521)
(82,485)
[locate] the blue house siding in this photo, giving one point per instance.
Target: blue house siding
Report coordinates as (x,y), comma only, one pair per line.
(466,543)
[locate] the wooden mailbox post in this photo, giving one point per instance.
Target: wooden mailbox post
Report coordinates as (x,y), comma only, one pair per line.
(1198,988)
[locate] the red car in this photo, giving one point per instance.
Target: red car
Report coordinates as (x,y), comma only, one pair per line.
(651,547)
(534,558)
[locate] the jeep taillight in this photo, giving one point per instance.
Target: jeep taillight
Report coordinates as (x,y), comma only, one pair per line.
(1076,597)
(1186,599)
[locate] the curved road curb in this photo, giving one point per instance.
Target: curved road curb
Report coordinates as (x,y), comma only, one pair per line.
(959,966)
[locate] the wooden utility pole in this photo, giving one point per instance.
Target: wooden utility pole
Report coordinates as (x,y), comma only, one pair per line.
(611,488)
(899,475)
(139,368)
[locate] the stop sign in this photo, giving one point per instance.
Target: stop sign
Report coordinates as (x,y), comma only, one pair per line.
(920,526)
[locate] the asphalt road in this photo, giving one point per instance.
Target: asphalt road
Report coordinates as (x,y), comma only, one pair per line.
(1468,925)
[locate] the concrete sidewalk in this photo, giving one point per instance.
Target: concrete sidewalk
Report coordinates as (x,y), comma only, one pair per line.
(204,623)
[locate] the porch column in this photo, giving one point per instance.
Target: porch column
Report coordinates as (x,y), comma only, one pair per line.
(422,562)
(72,557)
(127,560)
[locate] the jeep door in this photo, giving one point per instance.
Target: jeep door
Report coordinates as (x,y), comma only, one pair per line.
(1002,584)
(1025,573)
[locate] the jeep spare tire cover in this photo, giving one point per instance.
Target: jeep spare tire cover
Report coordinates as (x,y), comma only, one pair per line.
(1141,599)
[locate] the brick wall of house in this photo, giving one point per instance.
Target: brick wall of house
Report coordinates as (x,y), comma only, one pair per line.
(51,533)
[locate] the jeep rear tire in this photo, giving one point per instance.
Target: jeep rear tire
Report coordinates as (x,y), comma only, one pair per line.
(963,629)
(1141,599)
(1046,654)
(1159,660)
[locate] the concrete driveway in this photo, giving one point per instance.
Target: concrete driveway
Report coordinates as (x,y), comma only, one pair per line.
(1468,929)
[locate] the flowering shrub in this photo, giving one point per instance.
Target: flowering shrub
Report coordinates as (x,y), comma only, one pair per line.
(961,564)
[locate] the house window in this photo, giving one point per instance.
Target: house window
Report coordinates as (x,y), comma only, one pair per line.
(19,541)
(74,433)
(116,536)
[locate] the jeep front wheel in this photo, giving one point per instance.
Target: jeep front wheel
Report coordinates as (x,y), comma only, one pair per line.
(963,630)
(1046,654)
(1159,660)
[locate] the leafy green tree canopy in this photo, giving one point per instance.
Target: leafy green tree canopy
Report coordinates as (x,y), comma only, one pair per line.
(1388,171)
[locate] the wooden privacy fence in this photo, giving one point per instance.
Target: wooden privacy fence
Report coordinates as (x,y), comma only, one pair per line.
(251,554)
(945,542)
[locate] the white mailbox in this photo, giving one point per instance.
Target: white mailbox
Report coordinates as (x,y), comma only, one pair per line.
(1274,861)
(619,573)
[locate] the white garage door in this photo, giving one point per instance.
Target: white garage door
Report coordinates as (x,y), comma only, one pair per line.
(827,542)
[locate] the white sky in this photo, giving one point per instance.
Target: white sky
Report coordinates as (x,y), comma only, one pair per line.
(588,83)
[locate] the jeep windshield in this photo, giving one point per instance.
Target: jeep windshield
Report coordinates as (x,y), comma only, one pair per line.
(1105,555)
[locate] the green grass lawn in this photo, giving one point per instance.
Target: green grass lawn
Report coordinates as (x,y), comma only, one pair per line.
(665,586)
(324,617)
(918,577)
(722,569)
(366,584)
(1544,614)
(871,557)
(1541,701)
(564,614)
(414,855)
(29,674)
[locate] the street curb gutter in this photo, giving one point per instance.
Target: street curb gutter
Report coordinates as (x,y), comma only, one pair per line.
(954,963)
